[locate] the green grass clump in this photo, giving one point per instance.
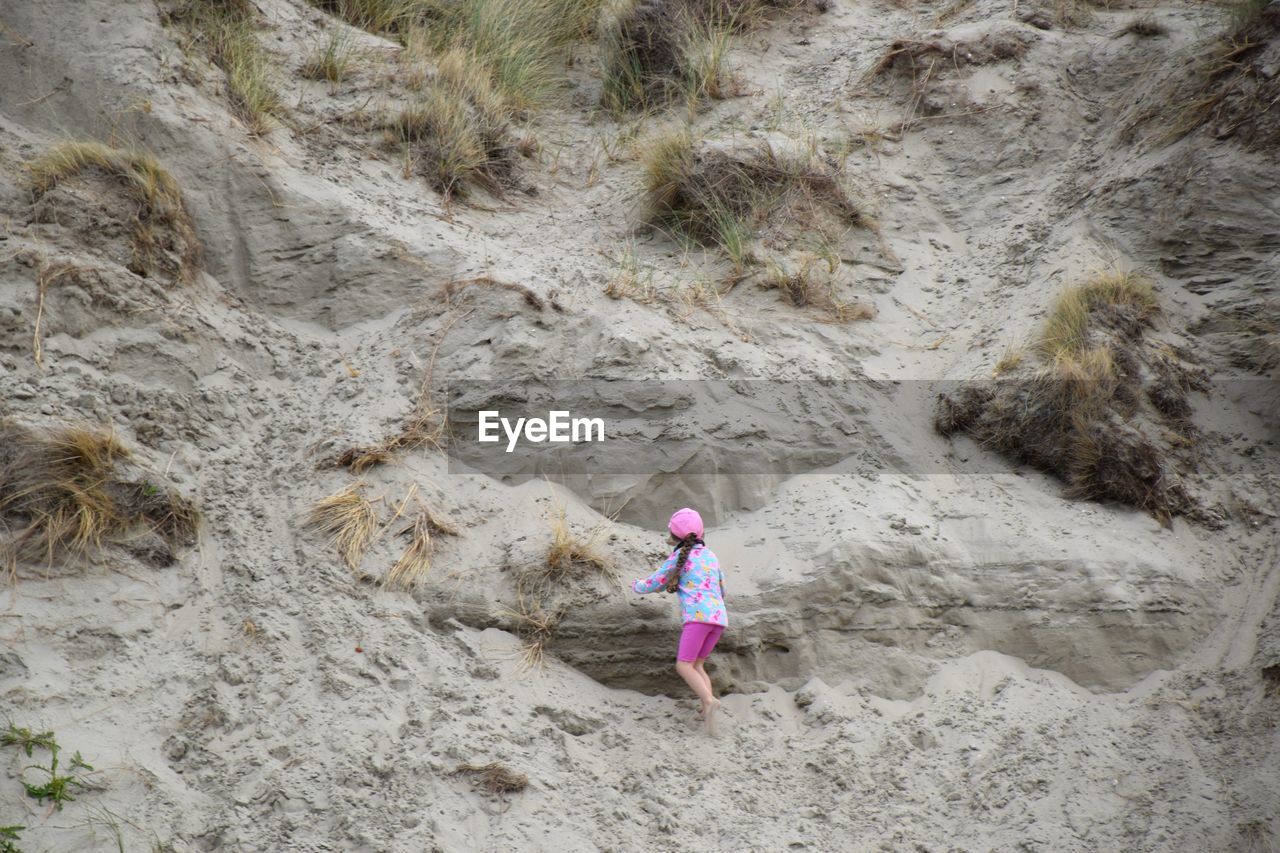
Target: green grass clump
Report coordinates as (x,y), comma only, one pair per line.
(8,835)
(161,221)
(1075,411)
(376,16)
(655,54)
(720,197)
(332,61)
(1122,295)
(523,44)
(227,32)
(455,133)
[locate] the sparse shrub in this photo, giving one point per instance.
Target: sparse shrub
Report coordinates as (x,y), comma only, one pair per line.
(226,30)
(1075,413)
(64,495)
(161,224)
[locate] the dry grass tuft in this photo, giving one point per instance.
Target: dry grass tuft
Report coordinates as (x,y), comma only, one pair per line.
(226,30)
(161,224)
(632,282)
(1076,413)
(456,132)
(1124,300)
(535,626)
(1145,26)
(1228,90)
(568,557)
(62,495)
(810,282)
(414,564)
(349,519)
(495,778)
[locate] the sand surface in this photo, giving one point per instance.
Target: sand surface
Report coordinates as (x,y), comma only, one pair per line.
(931,648)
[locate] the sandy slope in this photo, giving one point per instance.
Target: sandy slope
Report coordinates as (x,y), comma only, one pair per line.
(930,649)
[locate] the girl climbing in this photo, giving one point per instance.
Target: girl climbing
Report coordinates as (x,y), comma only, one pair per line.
(693,572)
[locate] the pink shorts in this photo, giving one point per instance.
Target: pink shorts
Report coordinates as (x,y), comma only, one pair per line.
(697,640)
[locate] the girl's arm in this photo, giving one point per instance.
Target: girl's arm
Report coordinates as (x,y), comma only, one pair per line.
(657,580)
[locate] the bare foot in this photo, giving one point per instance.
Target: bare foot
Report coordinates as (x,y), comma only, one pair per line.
(709,716)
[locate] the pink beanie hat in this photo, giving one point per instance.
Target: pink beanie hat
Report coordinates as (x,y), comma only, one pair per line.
(684,522)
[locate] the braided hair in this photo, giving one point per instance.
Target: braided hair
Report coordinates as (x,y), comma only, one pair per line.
(686,545)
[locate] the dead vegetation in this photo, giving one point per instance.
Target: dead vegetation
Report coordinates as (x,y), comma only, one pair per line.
(719,196)
(164,237)
(64,494)
(495,778)
(1144,26)
(810,281)
(913,57)
(414,563)
(536,627)
(570,558)
(918,66)
(545,588)
(1086,410)
(349,519)
(1230,89)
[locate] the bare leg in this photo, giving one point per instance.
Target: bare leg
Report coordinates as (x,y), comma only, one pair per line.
(699,682)
(698,667)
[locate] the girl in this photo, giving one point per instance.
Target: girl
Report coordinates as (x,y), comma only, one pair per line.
(693,572)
